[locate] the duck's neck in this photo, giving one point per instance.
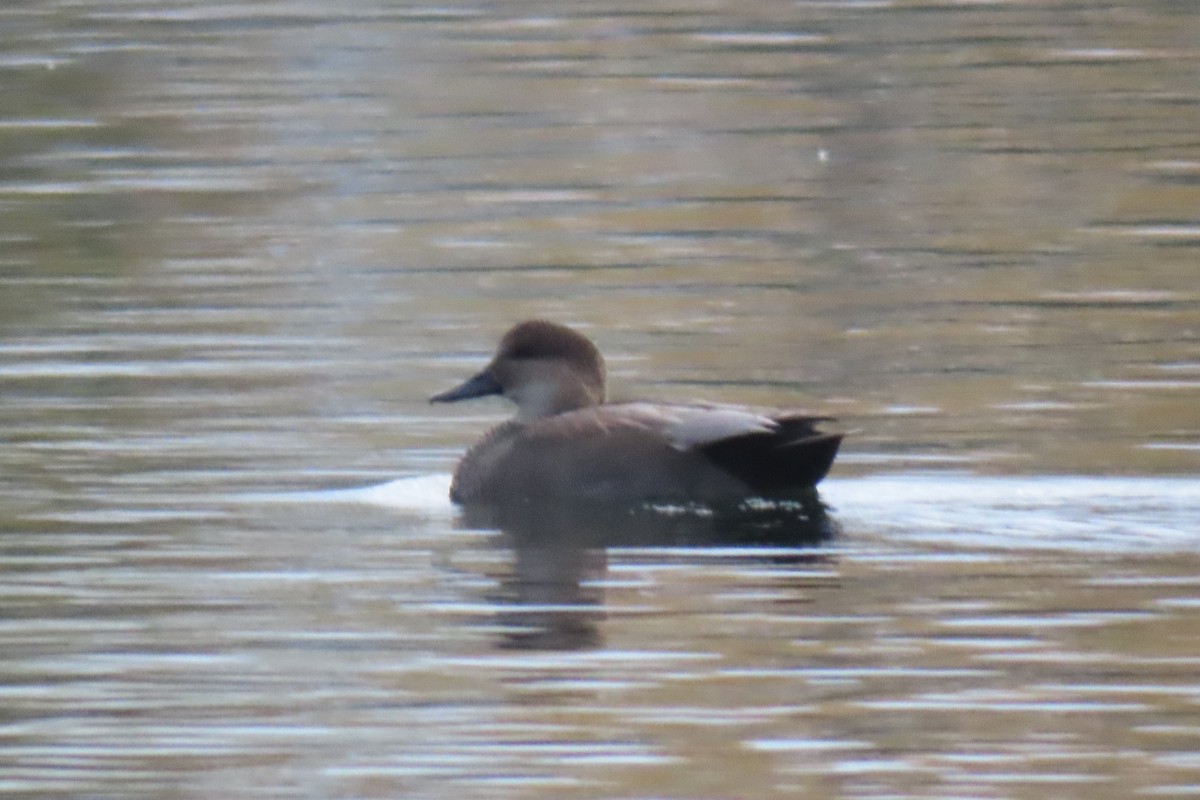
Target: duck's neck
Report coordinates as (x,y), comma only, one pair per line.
(548,398)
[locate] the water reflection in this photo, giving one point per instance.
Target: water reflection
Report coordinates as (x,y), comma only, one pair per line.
(553,599)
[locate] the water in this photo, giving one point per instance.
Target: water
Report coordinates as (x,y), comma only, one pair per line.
(240,245)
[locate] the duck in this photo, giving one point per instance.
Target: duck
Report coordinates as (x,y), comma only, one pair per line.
(567,443)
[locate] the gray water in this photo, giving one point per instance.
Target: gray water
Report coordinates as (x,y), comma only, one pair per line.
(241,244)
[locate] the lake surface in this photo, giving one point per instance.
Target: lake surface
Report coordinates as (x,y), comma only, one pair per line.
(241,244)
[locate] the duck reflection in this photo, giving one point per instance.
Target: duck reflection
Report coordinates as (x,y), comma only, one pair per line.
(553,599)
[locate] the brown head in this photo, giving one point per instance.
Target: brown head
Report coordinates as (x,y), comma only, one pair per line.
(543,367)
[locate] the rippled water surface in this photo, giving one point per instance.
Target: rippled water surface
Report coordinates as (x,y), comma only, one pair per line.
(240,244)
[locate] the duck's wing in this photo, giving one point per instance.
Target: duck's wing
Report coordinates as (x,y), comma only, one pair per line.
(772,452)
(696,426)
(682,427)
(692,427)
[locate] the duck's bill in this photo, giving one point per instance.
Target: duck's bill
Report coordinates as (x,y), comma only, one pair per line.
(481,385)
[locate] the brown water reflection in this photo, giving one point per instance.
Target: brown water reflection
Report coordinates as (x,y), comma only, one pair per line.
(240,244)
(555,591)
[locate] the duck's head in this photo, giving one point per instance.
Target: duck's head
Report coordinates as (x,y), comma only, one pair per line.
(543,367)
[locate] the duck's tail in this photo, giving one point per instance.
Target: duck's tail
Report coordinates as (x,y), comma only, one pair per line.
(792,457)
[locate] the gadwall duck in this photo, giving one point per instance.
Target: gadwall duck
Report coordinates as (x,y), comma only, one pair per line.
(565,443)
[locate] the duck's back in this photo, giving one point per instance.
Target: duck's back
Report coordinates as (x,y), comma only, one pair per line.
(639,452)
